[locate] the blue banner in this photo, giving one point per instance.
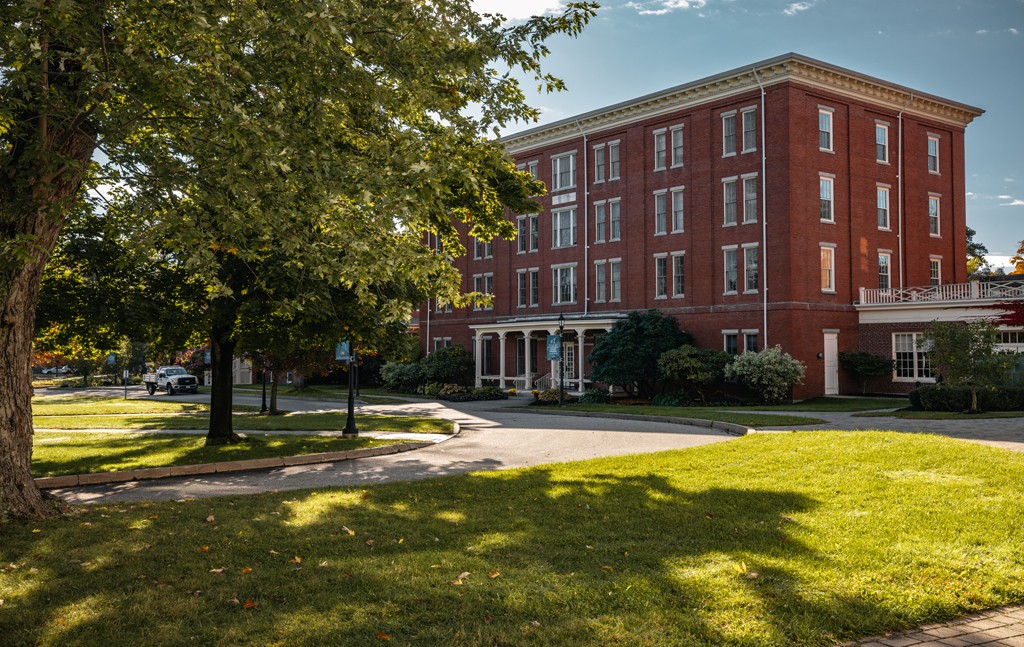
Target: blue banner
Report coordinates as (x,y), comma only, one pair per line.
(555,348)
(341,351)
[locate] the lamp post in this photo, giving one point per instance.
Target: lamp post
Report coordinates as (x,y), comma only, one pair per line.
(561,361)
(350,430)
(263,403)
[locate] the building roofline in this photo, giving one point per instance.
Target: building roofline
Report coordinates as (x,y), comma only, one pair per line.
(787,67)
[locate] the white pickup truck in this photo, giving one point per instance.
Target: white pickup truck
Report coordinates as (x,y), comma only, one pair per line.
(173,379)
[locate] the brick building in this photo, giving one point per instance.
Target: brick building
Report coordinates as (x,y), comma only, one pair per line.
(789,202)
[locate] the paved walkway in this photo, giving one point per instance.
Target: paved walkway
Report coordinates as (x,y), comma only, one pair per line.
(995,628)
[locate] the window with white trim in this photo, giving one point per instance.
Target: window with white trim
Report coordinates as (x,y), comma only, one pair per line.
(563,228)
(750,341)
(933,153)
(750,268)
(600,281)
(912,363)
(482,249)
(884,270)
(489,289)
(615,279)
(882,143)
(933,215)
(600,221)
(534,286)
(442,342)
(935,270)
(522,234)
(660,213)
(729,263)
(661,276)
(613,160)
(825,128)
(828,267)
(749,130)
(730,342)
(729,201)
(677,210)
(660,150)
(826,202)
(563,279)
(678,274)
(614,220)
(749,198)
(729,134)
(524,288)
(677,146)
(563,171)
(533,168)
(534,221)
(599,164)
(882,200)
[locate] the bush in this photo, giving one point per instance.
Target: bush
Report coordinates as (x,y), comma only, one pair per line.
(550,396)
(942,397)
(866,366)
(627,355)
(594,396)
(672,400)
(450,365)
(770,372)
(695,368)
(430,390)
(457,393)
(402,378)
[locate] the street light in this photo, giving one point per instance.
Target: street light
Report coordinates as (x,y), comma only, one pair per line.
(561,361)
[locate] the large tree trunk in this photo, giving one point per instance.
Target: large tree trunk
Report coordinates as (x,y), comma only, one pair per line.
(274,411)
(222,345)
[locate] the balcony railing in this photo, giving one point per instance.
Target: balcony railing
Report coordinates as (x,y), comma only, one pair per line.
(973,291)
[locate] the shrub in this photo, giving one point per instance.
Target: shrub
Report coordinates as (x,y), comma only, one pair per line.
(672,400)
(402,378)
(866,366)
(450,365)
(489,393)
(430,390)
(943,397)
(550,396)
(627,355)
(770,372)
(694,368)
(457,393)
(595,396)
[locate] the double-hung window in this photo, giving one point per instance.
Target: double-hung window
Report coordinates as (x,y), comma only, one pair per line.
(750,199)
(911,360)
(933,153)
(882,143)
(678,274)
(615,279)
(563,228)
(729,262)
(729,134)
(935,270)
(563,172)
(659,150)
(600,220)
(613,160)
(614,220)
(524,288)
(825,128)
(677,145)
(933,215)
(534,221)
(884,270)
(660,213)
(563,278)
(750,265)
(677,209)
(522,234)
(729,200)
(749,130)
(828,267)
(661,276)
(600,281)
(534,286)
(827,203)
(599,164)
(882,196)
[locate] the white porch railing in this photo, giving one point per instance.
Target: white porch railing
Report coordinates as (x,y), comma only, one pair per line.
(973,291)
(543,382)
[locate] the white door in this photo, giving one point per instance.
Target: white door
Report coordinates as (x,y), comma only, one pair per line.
(831,363)
(569,356)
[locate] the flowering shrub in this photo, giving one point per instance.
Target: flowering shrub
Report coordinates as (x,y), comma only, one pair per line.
(770,372)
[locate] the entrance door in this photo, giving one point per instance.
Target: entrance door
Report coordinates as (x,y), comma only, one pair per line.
(831,363)
(569,357)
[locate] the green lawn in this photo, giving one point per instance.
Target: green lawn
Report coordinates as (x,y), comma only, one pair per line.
(771,539)
(288,422)
(76,405)
(827,404)
(57,454)
(702,413)
(942,415)
(320,392)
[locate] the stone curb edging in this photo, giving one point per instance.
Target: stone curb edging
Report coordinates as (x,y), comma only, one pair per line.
(73,480)
(727,427)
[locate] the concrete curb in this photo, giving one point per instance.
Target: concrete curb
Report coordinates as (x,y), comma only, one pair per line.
(727,427)
(74,480)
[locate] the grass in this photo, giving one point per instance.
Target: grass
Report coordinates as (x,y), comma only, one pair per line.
(77,405)
(826,404)
(943,415)
(288,422)
(703,413)
(320,392)
(771,539)
(57,454)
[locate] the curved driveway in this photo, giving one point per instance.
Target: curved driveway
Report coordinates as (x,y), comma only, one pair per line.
(493,437)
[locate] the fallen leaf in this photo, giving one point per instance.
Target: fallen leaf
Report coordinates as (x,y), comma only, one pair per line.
(36,530)
(197,593)
(464,574)
(234,599)
(204,549)
(274,552)
(295,560)
(493,574)
(348,531)
(753,575)
(785,539)
(246,570)
(401,540)
(535,623)
(154,516)
(607,567)
(323,564)
(740,568)
(383,636)
(786,517)
(249,604)
(217,571)
(369,542)
(210,518)
(709,515)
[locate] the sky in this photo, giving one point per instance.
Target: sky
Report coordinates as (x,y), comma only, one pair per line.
(970,51)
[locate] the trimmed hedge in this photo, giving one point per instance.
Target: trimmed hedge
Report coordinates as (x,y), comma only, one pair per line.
(456,393)
(940,397)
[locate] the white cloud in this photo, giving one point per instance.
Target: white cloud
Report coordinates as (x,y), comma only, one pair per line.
(518,9)
(662,7)
(796,7)
(1004,197)
(1009,179)
(981,32)
(1014,31)
(972,194)
(1016,202)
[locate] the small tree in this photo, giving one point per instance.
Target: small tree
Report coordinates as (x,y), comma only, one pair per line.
(450,365)
(693,367)
(866,366)
(964,354)
(627,355)
(770,372)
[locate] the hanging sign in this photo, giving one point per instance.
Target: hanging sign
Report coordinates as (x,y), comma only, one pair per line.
(555,348)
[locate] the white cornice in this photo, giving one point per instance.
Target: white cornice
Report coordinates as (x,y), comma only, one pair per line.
(790,67)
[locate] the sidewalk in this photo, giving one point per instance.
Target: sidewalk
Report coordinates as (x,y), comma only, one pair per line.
(994,628)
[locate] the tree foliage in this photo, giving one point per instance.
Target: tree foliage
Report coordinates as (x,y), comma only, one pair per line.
(694,368)
(1018,259)
(977,264)
(449,365)
(627,355)
(770,372)
(965,354)
(866,366)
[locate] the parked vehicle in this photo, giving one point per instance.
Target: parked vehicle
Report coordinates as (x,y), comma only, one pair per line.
(173,379)
(57,370)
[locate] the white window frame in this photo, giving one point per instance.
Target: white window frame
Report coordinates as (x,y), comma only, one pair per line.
(677,144)
(829,128)
(678,209)
(614,220)
(523,288)
(661,276)
(735,336)
(730,268)
(534,232)
(882,196)
(660,149)
(887,266)
(489,288)
(749,198)
(935,221)
(557,273)
(882,147)
(749,113)
(933,159)
(600,221)
(615,280)
(557,216)
(556,171)
(678,275)
(751,251)
(935,270)
(827,250)
(661,212)
(533,168)
(729,138)
(478,287)
(600,281)
(600,164)
(747,336)
(522,234)
(727,184)
(534,286)
(614,160)
(919,360)
(827,184)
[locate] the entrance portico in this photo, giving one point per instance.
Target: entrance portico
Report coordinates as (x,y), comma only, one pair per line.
(529,336)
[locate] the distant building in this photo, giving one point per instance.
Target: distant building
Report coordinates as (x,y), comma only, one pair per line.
(789,202)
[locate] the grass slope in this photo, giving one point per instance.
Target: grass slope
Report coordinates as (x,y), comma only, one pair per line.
(290,422)
(702,413)
(771,539)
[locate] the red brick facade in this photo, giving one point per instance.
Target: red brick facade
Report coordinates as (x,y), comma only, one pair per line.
(786,230)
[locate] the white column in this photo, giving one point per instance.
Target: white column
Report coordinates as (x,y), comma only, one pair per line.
(479,341)
(529,360)
(501,359)
(579,356)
